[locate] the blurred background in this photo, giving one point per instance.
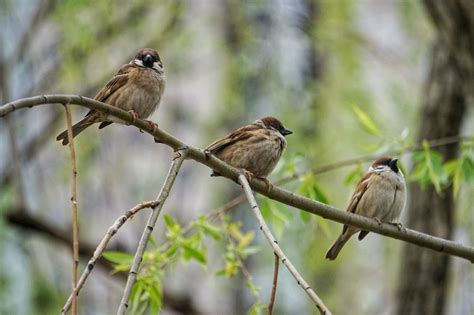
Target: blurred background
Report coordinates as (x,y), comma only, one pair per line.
(352,79)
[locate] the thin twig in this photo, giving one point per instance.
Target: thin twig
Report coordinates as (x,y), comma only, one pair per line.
(284,196)
(113,229)
(75,220)
(435,143)
(218,212)
(276,248)
(275,284)
(165,190)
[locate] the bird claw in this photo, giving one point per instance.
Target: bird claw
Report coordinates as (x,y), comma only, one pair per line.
(248,175)
(207,153)
(134,116)
(268,184)
(398,225)
(378,221)
(153,126)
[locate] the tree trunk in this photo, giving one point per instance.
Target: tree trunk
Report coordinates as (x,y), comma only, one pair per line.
(424,274)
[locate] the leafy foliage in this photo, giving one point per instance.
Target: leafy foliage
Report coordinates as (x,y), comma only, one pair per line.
(431,169)
(185,244)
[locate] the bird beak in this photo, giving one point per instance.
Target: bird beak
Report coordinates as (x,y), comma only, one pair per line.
(148,58)
(393,163)
(286,132)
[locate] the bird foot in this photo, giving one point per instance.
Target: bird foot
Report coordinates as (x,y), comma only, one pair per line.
(398,225)
(153,126)
(248,175)
(134,116)
(268,184)
(378,221)
(208,154)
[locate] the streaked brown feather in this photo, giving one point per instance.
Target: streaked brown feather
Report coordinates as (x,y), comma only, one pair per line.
(362,186)
(240,134)
(119,80)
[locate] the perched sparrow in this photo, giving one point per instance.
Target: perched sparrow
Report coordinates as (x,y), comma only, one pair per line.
(255,148)
(380,194)
(137,87)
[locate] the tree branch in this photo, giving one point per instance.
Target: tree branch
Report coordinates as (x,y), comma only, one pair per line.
(162,196)
(23,220)
(274,286)
(102,246)
(74,214)
(279,194)
(276,248)
(370,157)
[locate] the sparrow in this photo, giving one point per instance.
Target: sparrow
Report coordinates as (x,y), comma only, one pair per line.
(137,88)
(255,148)
(380,194)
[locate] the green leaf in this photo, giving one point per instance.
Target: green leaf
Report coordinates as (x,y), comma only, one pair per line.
(311,189)
(305,216)
(420,171)
(169,221)
(429,168)
(221,272)
(355,175)
(468,170)
(122,267)
(249,251)
(155,297)
(194,253)
(231,268)
(256,309)
(453,169)
(434,163)
(118,257)
(208,228)
(255,291)
(136,296)
(246,239)
(324,225)
(319,195)
(366,121)
(172,250)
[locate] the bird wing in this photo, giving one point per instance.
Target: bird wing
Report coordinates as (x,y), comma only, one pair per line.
(362,187)
(119,80)
(238,135)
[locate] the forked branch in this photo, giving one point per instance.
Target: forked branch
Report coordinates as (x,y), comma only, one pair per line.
(102,246)
(74,214)
(276,248)
(162,196)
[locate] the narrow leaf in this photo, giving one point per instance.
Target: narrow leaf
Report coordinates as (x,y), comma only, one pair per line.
(366,121)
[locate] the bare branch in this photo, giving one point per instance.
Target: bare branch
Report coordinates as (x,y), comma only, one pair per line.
(274,286)
(74,214)
(102,246)
(274,244)
(277,193)
(162,196)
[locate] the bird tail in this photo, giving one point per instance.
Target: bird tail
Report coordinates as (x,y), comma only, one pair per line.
(76,129)
(336,247)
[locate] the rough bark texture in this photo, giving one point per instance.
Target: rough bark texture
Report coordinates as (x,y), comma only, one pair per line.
(424,275)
